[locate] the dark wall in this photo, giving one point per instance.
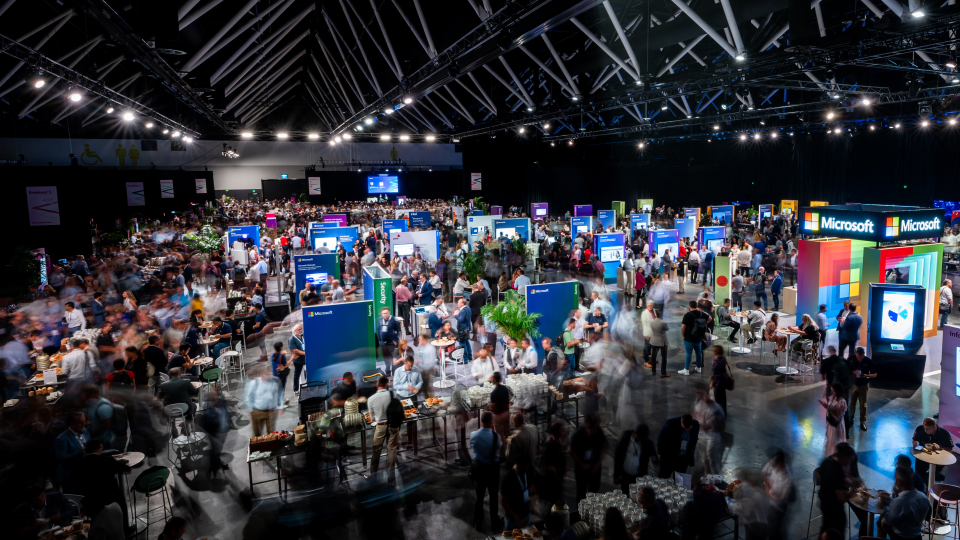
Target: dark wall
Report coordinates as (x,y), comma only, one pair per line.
(870,167)
(86,193)
(352,186)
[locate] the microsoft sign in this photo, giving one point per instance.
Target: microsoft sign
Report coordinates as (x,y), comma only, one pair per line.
(877,223)
(835,224)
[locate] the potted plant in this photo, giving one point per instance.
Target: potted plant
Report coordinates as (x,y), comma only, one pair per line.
(511,317)
(206,242)
(473,264)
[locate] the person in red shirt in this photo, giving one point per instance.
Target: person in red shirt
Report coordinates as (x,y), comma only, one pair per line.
(120,378)
(284,241)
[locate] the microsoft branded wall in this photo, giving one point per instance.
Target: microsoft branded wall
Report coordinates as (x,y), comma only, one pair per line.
(639,221)
(607,218)
(686,228)
(610,248)
(476,225)
(554,302)
(692,213)
(583,210)
(830,271)
(244,232)
(393,225)
(319,269)
(338,338)
(921,264)
(520,225)
(378,288)
(724,212)
(581,224)
(427,243)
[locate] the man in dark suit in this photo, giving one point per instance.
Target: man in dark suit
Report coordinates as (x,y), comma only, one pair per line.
(436,317)
(68,448)
(41,511)
(179,390)
(424,291)
(388,334)
(96,477)
(677,444)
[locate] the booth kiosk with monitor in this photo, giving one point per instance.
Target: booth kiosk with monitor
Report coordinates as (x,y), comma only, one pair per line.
(639,222)
(610,248)
(581,210)
(479,226)
(378,288)
(331,235)
(508,227)
(352,350)
(607,218)
(765,211)
(722,213)
(896,331)
(712,238)
(581,224)
(317,269)
(555,303)
(426,243)
(539,211)
(686,228)
(789,207)
(664,239)
(390,226)
(692,213)
(419,220)
(721,273)
(339,220)
(645,206)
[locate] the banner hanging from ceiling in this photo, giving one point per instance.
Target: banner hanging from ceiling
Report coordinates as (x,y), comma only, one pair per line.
(313,185)
(201,186)
(135,194)
(476,181)
(43,205)
(166,189)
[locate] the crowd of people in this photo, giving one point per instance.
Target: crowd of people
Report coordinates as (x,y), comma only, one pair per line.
(130,325)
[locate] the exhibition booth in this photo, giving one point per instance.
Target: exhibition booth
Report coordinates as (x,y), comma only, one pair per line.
(722,213)
(378,288)
(539,211)
(664,239)
(507,227)
(645,206)
(896,285)
(712,238)
(479,226)
(555,303)
(692,213)
(338,338)
(582,210)
(328,234)
(639,222)
(610,248)
(390,226)
(686,228)
(317,269)
(581,224)
(426,243)
(607,218)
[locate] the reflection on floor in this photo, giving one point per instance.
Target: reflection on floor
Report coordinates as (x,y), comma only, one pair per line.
(765,413)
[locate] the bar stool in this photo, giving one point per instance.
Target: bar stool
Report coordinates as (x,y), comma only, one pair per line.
(209,378)
(151,482)
(173,412)
(947,497)
(763,339)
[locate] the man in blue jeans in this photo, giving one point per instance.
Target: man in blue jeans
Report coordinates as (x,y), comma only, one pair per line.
(693,328)
(776,287)
(849,329)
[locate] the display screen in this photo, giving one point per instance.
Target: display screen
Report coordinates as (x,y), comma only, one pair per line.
(765,214)
(320,278)
(383,184)
(662,248)
(581,229)
(715,245)
(330,243)
(541,212)
(395,231)
(403,250)
(898,310)
(551,239)
(611,254)
(509,232)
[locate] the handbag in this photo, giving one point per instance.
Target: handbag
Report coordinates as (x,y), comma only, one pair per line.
(731,383)
(474,473)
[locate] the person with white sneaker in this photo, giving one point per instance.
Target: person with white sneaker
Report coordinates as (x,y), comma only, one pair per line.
(693,328)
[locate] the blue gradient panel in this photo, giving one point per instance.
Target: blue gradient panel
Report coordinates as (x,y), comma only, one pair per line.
(309,266)
(639,221)
(394,225)
(345,235)
(383,184)
(521,226)
(242,233)
(555,302)
(421,220)
(338,338)
(610,248)
(582,224)
(664,239)
(766,210)
(583,210)
(686,228)
(607,218)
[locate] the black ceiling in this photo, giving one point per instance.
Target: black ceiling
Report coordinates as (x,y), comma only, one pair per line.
(221,68)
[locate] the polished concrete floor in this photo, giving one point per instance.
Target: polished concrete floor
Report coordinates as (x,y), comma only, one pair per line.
(437,499)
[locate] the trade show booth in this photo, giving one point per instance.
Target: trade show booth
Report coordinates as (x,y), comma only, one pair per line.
(419,220)
(390,226)
(722,213)
(789,207)
(712,238)
(580,210)
(765,211)
(620,207)
(479,226)
(664,239)
(686,228)
(610,248)
(339,219)
(378,288)
(329,236)
(581,224)
(426,243)
(721,269)
(896,331)
(316,269)
(645,206)
(249,235)
(607,218)
(639,222)
(692,213)
(950,381)
(508,227)
(555,303)
(539,211)
(338,338)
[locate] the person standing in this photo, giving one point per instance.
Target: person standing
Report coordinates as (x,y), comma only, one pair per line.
(712,424)
(677,444)
(760,286)
(553,463)
(693,261)
(500,407)
(570,343)
(822,326)
(524,440)
(515,492)
(836,407)
(834,488)
(485,470)
(377,405)
(388,334)
(658,344)
(693,328)
(632,456)
(74,319)
(264,398)
(776,287)
(587,447)
(646,317)
(863,371)
(407,380)
(426,355)
(736,290)
(850,329)
(297,354)
(720,379)
(946,301)
(281,369)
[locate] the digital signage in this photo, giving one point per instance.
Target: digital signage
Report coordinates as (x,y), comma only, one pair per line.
(383,184)
(878,223)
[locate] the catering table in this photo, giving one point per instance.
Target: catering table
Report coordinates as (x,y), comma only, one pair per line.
(786,369)
(938,457)
(279,453)
(412,429)
(872,506)
(743,319)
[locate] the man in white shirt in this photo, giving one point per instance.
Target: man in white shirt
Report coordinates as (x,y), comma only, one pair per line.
(483,367)
(436,283)
(426,355)
(75,320)
(377,405)
(297,242)
(512,357)
(78,365)
(530,359)
(336,292)
(521,283)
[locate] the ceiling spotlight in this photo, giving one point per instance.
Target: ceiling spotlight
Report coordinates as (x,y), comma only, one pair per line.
(282,135)
(148,125)
(924,123)
(337,138)
(546,125)
(756,136)
(918,14)
(404,137)
(388,110)
(128,116)
(639,82)
(740,57)
(896,126)
(829,116)
(664,106)
(333,142)
(521,130)
(952,121)
(773,135)
(570,142)
(531,109)
(187,138)
(39,81)
(716,127)
(762,123)
(430,138)
(75,96)
(347,136)
(723,106)
(750,108)
(456,139)
(229,152)
(368,120)
(575,98)
(408,99)
(175,134)
(384,137)
(872,128)
(837,131)
(743,137)
(246,135)
(109,110)
(951,63)
(955,80)
(641,145)
(791,134)
(551,144)
(689,116)
(865,101)
(166,131)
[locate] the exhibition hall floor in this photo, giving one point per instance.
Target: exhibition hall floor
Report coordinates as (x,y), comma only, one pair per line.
(764,414)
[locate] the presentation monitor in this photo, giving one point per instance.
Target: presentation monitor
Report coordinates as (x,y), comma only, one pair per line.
(403,250)
(898,311)
(674,248)
(764,215)
(383,184)
(330,243)
(611,254)
(509,232)
(896,318)
(551,239)
(541,212)
(715,245)
(581,229)
(317,279)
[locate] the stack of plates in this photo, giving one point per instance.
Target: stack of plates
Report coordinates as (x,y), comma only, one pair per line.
(351,406)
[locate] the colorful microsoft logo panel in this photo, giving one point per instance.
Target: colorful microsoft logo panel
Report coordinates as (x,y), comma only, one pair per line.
(841,266)
(811,221)
(917,265)
(892,227)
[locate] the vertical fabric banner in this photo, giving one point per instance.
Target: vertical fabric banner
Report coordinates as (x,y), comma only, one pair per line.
(950,381)
(313,185)
(166,189)
(135,194)
(43,206)
(476,181)
(201,186)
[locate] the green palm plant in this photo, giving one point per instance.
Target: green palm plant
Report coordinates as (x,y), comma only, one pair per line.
(473,264)
(520,248)
(511,317)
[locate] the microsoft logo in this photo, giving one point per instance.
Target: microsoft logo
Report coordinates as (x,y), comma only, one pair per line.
(893,227)
(811,221)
